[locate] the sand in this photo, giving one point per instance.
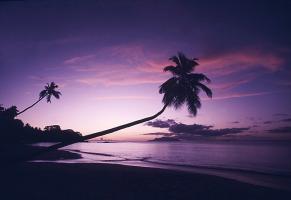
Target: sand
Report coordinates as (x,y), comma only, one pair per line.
(30,180)
(108,181)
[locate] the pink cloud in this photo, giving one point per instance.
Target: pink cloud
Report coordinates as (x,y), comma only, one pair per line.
(122,97)
(153,66)
(129,65)
(133,64)
(230,63)
(121,79)
(231,84)
(238,95)
(132,54)
(225,64)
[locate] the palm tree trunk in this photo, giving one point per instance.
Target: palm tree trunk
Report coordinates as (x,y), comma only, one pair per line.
(30,106)
(105,132)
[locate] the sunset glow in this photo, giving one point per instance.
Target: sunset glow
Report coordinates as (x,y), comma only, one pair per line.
(108,60)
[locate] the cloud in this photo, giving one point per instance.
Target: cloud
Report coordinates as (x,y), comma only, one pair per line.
(118,65)
(234,62)
(229,62)
(268,122)
(238,95)
(235,122)
(42,80)
(161,124)
(231,84)
(121,97)
(79,59)
(202,130)
(280,115)
(285,120)
(121,78)
(135,64)
(159,134)
(276,121)
(286,129)
(188,132)
(184,128)
(165,139)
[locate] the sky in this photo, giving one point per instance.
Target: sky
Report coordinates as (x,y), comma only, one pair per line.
(108,58)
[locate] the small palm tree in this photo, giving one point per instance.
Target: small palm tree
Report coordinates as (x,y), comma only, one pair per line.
(48,92)
(183,87)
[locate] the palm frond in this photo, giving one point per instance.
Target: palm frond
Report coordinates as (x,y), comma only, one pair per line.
(172,69)
(168,86)
(187,64)
(48,98)
(43,93)
(199,77)
(205,89)
(193,103)
(168,99)
(191,108)
(53,85)
(182,58)
(56,94)
(179,100)
(176,60)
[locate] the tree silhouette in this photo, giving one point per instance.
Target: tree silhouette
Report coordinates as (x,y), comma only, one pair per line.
(183,87)
(48,92)
(8,113)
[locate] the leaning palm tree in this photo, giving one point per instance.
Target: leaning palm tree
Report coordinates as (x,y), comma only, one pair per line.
(48,92)
(183,87)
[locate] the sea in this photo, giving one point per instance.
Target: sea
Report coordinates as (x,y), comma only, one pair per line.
(261,163)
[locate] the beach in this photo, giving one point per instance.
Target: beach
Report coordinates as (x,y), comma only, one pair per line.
(103,171)
(112,181)
(71,174)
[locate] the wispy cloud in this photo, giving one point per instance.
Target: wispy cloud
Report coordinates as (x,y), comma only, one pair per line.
(285,120)
(231,84)
(280,115)
(133,64)
(234,62)
(121,79)
(121,97)
(117,65)
(79,59)
(286,129)
(238,95)
(227,63)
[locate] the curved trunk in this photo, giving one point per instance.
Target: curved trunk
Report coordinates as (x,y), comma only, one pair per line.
(30,106)
(105,132)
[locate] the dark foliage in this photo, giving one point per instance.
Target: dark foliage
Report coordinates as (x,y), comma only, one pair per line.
(184,86)
(14,131)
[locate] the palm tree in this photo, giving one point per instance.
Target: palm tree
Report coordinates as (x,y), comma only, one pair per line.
(183,87)
(48,92)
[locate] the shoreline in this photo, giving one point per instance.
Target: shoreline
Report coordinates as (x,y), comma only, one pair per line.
(278,182)
(114,181)
(268,180)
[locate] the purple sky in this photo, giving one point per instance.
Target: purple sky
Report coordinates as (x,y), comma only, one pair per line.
(108,56)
